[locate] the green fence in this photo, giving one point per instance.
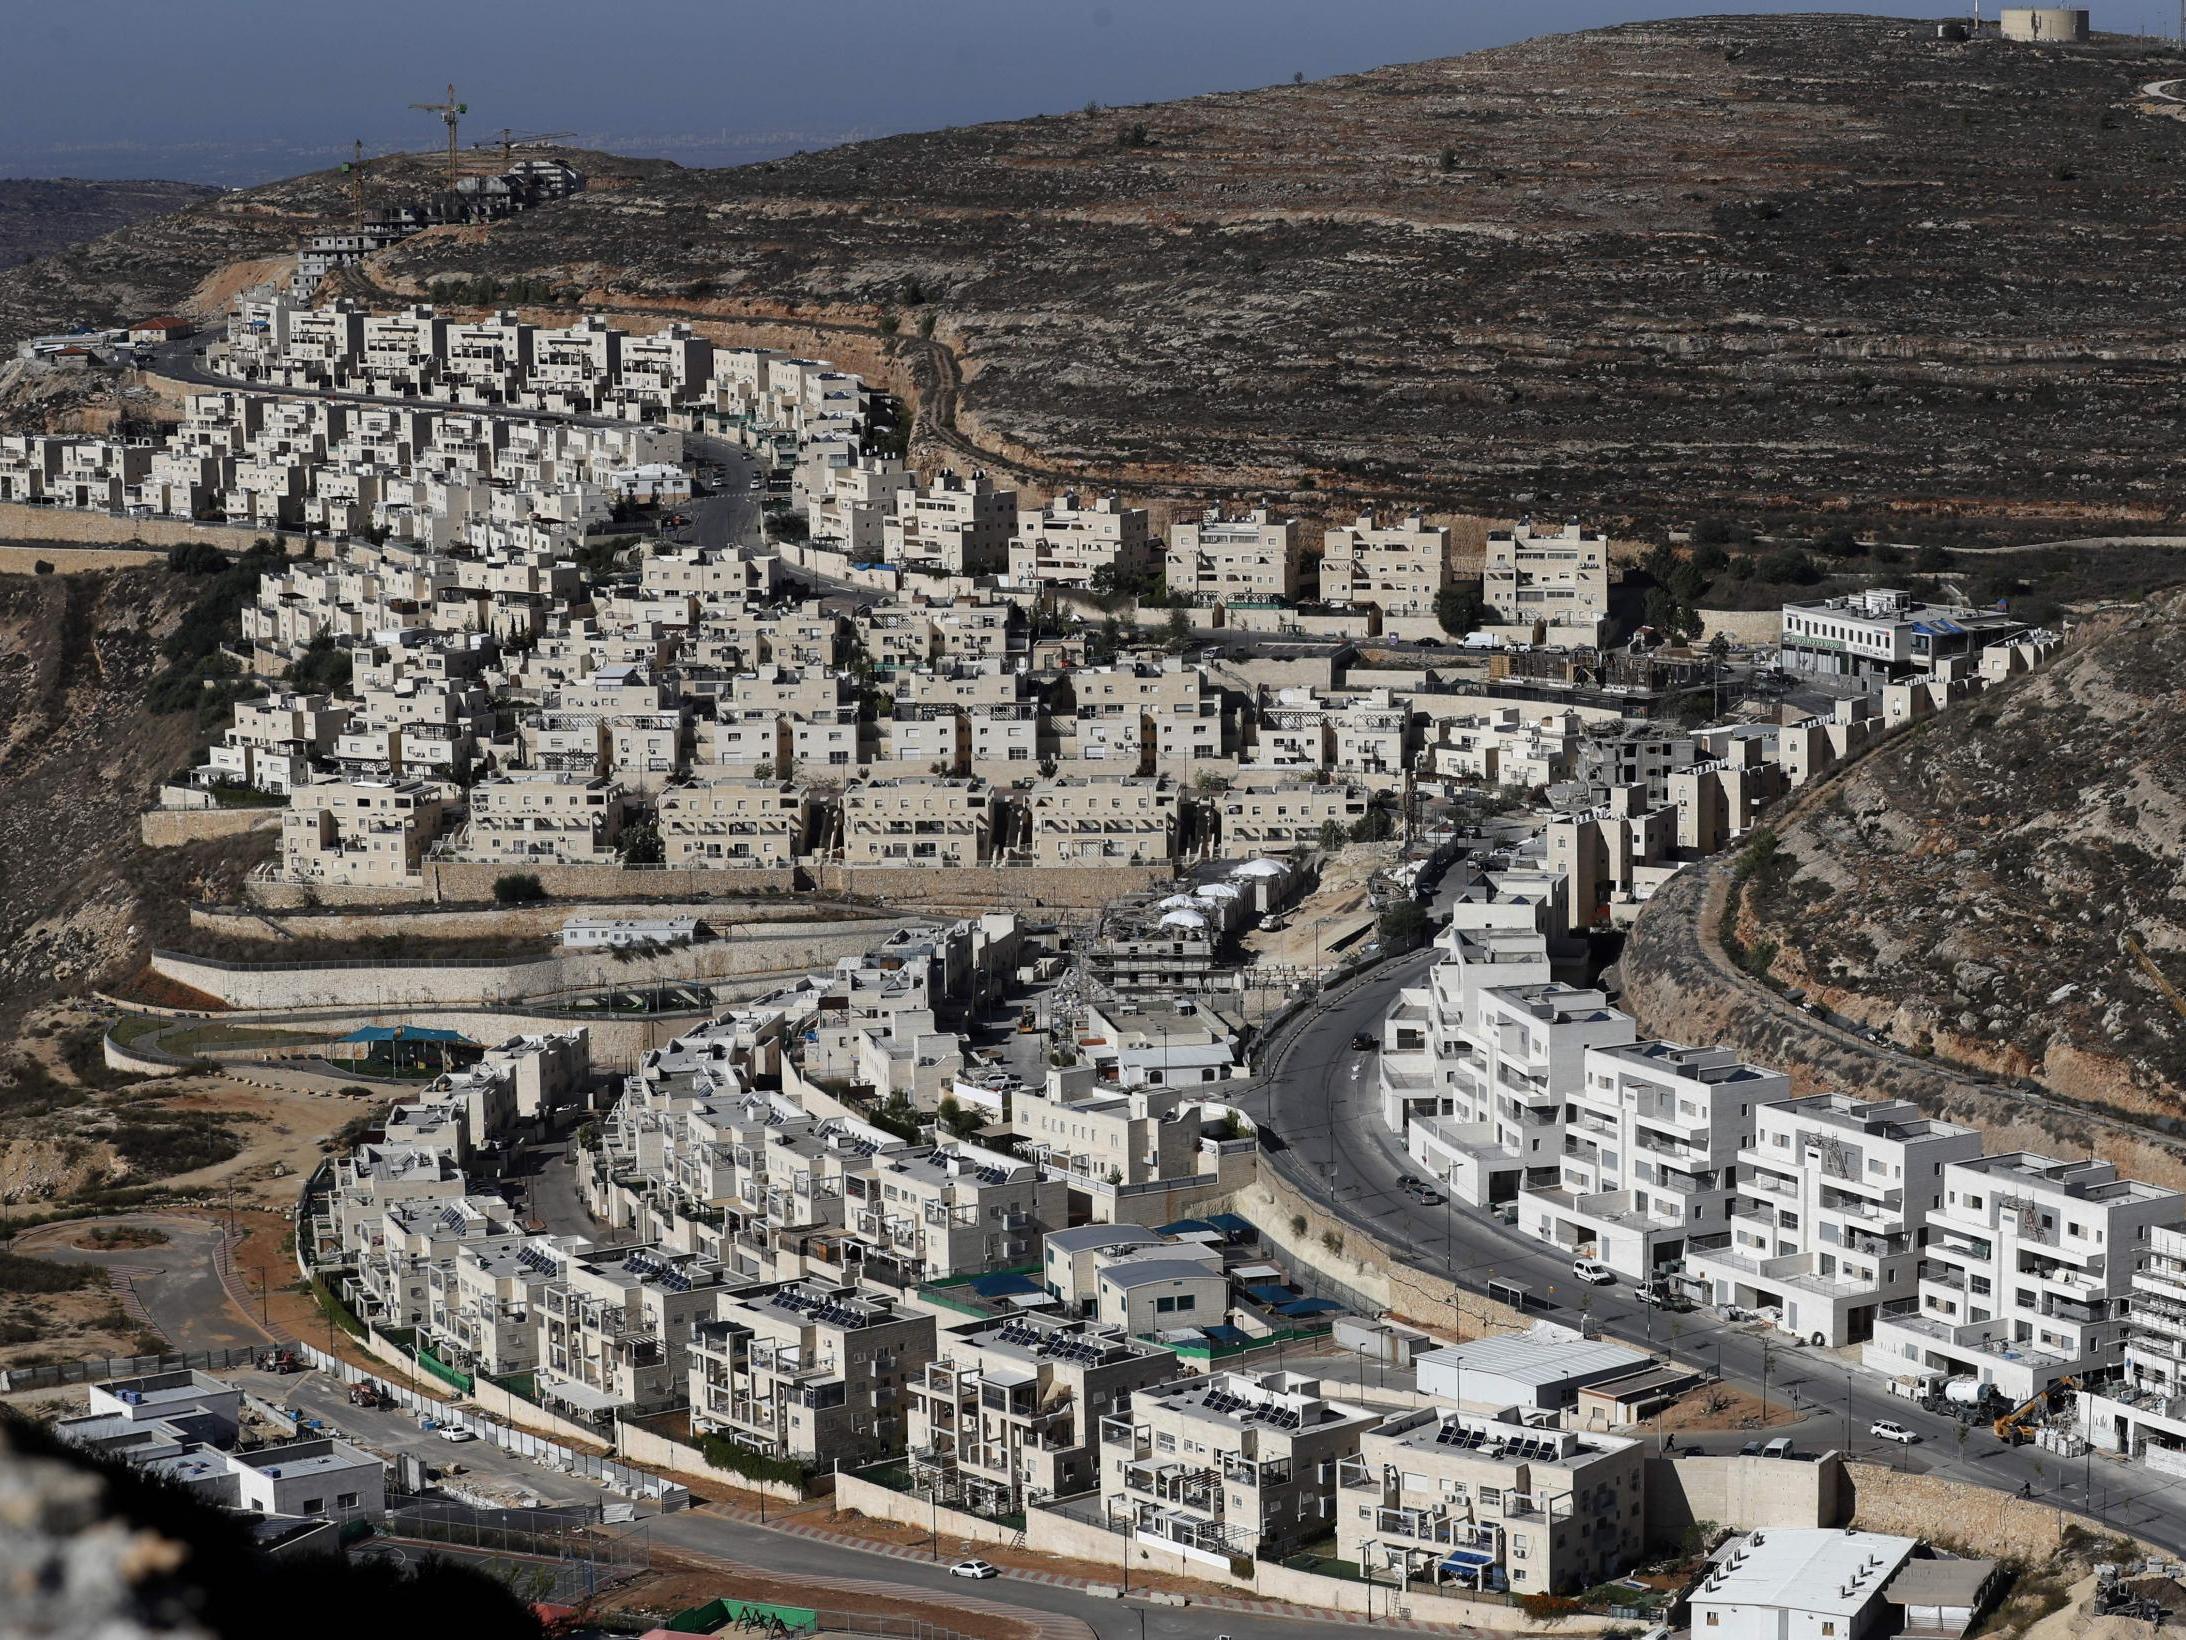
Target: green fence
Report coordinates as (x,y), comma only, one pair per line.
(1223,1352)
(442,1371)
(724,1612)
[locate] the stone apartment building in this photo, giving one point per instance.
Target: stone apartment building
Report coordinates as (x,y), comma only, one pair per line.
(808,1370)
(1882,634)
(917,820)
(1652,1139)
(732,823)
(1083,820)
(952,525)
(1612,857)
(1009,1411)
(1254,558)
(483,1304)
(1834,1195)
(1069,543)
(543,819)
(1400,568)
(2027,1273)
(1550,587)
(1229,1463)
(1260,814)
(360,833)
(1485,1503)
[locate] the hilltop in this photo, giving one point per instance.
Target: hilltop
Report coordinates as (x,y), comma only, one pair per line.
(39,216)
(1765,264)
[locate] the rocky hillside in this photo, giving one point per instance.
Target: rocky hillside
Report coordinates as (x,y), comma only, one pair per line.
(39,216)
(2003,885)
(176,261)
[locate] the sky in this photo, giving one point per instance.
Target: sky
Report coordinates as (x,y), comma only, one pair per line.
(242,91)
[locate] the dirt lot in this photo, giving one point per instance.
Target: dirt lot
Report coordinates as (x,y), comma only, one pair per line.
(1721,1406)
(1338,904)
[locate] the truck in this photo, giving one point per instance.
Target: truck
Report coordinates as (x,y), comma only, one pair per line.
(279,1361)
(363,1394)
(1923,1387)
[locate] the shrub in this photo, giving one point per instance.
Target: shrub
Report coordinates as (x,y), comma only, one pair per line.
(518,888)
(22,1274)
(723,1453)
(1403,923)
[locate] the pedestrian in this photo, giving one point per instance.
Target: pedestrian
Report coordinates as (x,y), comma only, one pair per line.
(1669,1441)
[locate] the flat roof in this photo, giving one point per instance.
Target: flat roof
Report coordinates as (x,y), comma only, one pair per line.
(1139,1272)
(1804,1569)
(1537,1358)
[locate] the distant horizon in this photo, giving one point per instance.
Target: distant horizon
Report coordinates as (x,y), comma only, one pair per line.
(732,90)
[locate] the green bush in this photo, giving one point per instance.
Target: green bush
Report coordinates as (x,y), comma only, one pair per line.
(723,1453)
(21,1274)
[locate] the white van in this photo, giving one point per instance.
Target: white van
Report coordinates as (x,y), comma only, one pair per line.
(1778,1448)
(1593,1271)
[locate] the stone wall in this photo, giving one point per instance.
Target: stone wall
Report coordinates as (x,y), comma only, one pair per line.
(22,522)
(24,560)
(1757,626)
(490,921)
(170,828)
(1974,1519)
(472,881)
(783,950)
(1339,1251)
(1742,1493)
(997,888)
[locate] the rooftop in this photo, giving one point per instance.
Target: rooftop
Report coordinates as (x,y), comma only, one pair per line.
(1803,1569)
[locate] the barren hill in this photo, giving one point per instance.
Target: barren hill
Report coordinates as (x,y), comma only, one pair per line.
(2004,883)
(39,216)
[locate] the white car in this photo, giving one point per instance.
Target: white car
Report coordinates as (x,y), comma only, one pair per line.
(973,1568)
(452,1432)
(1593,1272)
(1884,1430)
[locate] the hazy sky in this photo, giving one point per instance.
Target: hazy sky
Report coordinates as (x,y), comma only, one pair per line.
(237,91)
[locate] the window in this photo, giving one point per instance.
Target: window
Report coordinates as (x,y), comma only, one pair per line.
(314,1506)
(1712,1619)
(346,1500)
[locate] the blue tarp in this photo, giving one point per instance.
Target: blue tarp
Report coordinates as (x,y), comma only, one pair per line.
(1231,1224)
(1003,1284)
(1466,1560)
(1309,1306)
(1271,1295)
(405,1033)
(1182,1227)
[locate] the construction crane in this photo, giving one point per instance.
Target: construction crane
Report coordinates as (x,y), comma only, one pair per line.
(510,141)
(450,111)
(355,169)
(2014,1426)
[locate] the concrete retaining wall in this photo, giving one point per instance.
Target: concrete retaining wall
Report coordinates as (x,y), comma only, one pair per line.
(789,949)
(469,881)
(24,560)
(1742,1493)
(995,887)
(119,1058)
(22,522)
(489,921)
(1970,1518)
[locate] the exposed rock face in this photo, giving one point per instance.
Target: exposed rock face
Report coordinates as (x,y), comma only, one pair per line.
(1983,881)
(1970,888)
(39,217)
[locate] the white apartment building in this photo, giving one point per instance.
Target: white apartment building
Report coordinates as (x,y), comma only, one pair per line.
(957,1210)
(550,818)
(1009,1411)
(616,1328)
(1072,544)
(1400,568)
(1552,588)
(1252,559)
(1652,1137)
(1077,820)
(1484,1502)
(808,1370)
(2025,1279)
(2144,1414)
(1834,1195)
(1883,633)
(1229,1463)
(1086,1129)
(1261,814)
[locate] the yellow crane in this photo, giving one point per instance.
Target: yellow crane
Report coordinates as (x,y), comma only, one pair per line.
(450,111)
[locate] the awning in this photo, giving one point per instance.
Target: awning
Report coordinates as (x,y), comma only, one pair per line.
(569,1391)
(1002,1284)
(1272,1296)
(1309,1306)
(1466,1560)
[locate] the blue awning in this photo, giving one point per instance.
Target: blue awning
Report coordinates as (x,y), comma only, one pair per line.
(1272,1296)
(1230,1224)
(1183,1227)
(1466,1560)
(1309,1306)
(1223,1333)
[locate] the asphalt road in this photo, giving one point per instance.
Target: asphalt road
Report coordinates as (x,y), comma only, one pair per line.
(1318,1095)
(178,1283)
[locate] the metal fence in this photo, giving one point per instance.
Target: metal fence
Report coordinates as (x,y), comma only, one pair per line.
(100,1368)
(564,1558)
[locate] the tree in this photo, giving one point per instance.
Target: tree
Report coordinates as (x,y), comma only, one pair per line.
(1404,923)
(1177,631)
(641,844)
(926,324)
(890,324)
(1932,560)
(518,888)
(1298,77)
(1459,609)
(1332,835)
(1449,159)
(1374,826)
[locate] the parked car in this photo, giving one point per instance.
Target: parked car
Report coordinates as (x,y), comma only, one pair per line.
(1366,1042)
(1423,1193)
(1593,1271)
(1883,1429)
(1405,1181)
(1752,1449)
(455,1433)
(1662,1298)
(973,1568)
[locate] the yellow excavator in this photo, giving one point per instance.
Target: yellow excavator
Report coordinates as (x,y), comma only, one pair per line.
(2018,1424)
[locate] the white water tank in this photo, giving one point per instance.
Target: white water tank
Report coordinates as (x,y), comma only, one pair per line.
(2045,25)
